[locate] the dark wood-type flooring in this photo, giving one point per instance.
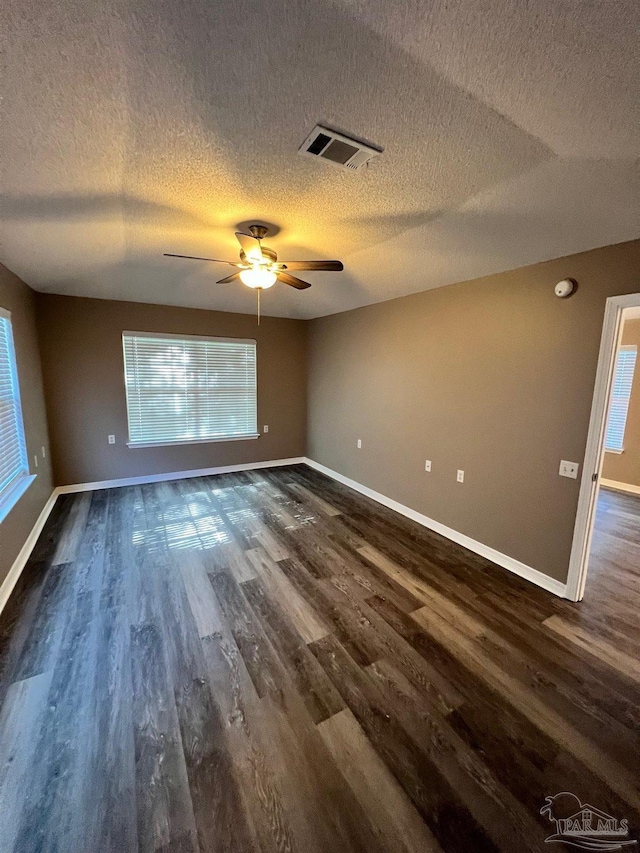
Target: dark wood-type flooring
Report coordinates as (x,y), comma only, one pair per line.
(267,661)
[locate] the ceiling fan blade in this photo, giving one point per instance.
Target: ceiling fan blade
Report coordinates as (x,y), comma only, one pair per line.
(194,258)
(250,246)
(285,278)
(233,277)
(328,266)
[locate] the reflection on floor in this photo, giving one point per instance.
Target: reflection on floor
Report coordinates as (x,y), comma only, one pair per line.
(267,661)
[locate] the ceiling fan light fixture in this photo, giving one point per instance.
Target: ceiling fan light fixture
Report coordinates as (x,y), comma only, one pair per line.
(258,277)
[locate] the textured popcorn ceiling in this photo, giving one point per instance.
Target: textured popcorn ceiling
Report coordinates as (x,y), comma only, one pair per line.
(511,133)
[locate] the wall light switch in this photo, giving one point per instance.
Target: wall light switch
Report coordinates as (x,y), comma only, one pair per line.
(427,465)
(359,443)
(460,476)
(112,439)
(569,469)
(265,428)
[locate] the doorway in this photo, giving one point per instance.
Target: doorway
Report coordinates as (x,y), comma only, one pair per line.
(608,438)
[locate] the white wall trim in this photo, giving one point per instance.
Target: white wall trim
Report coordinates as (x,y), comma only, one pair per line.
(621,487)
(20,562)
(506,562)
(176,475)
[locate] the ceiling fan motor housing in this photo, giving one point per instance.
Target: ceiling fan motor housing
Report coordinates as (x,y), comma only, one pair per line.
(258,231)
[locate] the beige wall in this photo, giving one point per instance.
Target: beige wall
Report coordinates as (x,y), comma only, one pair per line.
(625,467)
(16,297)
(81,344)
(494,376)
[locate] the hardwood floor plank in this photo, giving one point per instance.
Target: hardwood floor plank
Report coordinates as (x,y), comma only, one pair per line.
(307,623)
(600,648)
(307,676)
(353,631)
(220,819)
(62,771)
(71,536)
(256,652)
(240,711)
(164,806)
(320,505)
(47,628)
(393,816)
(202,600)
(21,719)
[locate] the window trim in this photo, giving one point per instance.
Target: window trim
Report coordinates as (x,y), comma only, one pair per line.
(21,482)
(13,494)
(628,348)
(134,445)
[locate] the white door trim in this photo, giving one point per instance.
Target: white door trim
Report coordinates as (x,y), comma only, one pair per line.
(583,529)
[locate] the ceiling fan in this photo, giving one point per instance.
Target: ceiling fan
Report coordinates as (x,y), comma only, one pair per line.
(259,267)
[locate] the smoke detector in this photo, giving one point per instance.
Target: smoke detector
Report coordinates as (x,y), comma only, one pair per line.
(337,149)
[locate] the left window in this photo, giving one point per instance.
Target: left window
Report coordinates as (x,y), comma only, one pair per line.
(14,469)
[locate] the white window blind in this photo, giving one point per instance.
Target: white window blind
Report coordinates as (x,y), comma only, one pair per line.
(183,389)
(620,396)
(13,452)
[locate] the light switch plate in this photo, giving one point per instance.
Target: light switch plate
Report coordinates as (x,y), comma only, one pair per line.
(569,469)
(460,476)
(427,465)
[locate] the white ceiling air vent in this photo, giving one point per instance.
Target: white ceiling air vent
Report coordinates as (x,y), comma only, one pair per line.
(339,150)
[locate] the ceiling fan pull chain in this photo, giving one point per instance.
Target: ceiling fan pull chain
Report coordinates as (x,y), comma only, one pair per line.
(258,289)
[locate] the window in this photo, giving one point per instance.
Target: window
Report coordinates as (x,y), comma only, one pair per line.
(14,470)
(620,396)
(186,389)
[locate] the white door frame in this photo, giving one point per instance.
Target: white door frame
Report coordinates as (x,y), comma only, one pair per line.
(589,485)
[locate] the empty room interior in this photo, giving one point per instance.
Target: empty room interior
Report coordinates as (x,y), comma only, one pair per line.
(319,426)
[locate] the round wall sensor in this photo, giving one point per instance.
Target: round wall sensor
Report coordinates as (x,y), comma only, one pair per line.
(565,288)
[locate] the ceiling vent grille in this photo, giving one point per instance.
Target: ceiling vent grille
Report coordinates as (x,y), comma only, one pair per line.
(337,149)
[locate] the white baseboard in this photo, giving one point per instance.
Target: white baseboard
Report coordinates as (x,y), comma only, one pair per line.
(506,562)
(20,562)
(176,475)
(621,487)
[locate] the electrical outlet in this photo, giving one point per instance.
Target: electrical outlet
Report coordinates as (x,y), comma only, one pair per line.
(569,469)
(460,476)
(359,443)
(112,439)
(265,428)
(427,465)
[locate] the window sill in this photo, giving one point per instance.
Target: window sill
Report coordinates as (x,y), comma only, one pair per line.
(618,452)
(14,494)
(135,444)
